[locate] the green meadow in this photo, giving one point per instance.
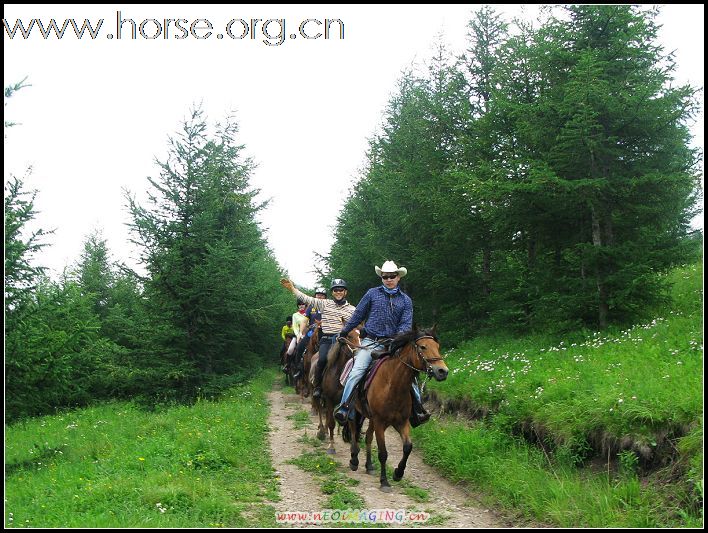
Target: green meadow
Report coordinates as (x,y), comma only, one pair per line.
(599,429)
(117,465)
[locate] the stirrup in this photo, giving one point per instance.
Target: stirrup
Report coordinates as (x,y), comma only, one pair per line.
(416,419)
(341,414)
(317,393)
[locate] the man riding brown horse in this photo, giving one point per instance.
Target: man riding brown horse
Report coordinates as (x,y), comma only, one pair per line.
(388,312)
(387,401)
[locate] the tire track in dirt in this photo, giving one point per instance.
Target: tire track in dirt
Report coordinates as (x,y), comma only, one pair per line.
(451,505)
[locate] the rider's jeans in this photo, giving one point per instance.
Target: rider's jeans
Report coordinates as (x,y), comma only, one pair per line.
(361,364)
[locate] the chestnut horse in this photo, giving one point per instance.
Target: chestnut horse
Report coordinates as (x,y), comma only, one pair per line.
(388,399)
(332,390)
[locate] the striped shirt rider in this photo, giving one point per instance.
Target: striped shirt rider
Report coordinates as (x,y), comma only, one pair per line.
(333,314)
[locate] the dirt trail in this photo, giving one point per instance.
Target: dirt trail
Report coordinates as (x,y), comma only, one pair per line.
(452,506)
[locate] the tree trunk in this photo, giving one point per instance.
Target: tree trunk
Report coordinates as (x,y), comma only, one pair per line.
(603,308)
(486,271)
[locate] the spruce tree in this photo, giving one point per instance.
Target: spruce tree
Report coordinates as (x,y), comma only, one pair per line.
(212,292)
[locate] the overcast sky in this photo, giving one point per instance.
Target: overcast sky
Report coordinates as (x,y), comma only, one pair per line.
(99,111)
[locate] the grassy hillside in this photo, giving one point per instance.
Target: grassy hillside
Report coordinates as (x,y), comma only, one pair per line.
(115,465)
(598,430)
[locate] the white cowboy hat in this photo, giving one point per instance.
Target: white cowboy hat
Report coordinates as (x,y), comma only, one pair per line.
(390,266)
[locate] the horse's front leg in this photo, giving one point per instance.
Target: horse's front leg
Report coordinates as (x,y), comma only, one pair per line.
(380,430)
(330,425)
(320,428)
(369,438)
(314,407)
(407,448)
(354,431)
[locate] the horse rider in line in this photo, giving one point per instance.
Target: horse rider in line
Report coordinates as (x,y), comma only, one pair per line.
(335,312)
(314,318)
(299,329)
(287,335)
(388,311)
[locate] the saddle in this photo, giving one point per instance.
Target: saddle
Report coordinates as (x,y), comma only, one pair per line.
(372,372)
(368,377)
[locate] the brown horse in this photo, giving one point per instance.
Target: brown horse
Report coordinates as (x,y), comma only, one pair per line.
(303,383)
(311,384)
(285,359)
(332,390)
(388,400)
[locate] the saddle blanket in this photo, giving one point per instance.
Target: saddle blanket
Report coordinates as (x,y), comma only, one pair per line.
(346,371)
(371,372)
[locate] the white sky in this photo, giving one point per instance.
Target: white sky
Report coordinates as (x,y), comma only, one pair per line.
(99,111)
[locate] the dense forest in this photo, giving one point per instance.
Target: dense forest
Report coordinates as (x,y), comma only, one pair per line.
(200,320)
(539,182)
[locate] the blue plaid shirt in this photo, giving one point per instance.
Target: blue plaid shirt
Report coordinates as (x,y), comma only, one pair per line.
(386,315)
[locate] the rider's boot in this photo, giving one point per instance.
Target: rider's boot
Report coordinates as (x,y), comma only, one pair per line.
(418,413)
(317,393)
(298,368)
(341,411)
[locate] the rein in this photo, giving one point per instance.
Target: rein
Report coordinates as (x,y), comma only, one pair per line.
(428,366)
(352,346)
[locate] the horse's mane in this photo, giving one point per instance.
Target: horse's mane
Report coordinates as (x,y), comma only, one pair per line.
(404,338)
(333,353)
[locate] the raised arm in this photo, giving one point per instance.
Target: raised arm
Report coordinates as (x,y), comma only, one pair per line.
(309,300)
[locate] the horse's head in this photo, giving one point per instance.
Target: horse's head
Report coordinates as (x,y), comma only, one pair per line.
(428,350)
(424,353)
(354,336)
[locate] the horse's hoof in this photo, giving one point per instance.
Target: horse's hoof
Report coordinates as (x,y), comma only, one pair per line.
(371,471)
(386,488)
(331,451)
(353,467)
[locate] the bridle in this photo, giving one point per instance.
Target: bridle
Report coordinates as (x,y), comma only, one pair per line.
(427,362)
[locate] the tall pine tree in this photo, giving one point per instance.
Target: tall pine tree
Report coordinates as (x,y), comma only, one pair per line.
(212,292)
